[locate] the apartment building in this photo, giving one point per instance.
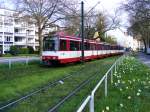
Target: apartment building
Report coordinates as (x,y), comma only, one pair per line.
(16,31)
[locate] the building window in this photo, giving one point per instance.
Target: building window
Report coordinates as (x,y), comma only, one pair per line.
(16,30)
(8,38)
(8,21)
(0,38)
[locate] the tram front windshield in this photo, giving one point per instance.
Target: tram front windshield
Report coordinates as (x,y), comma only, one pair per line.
(50,44)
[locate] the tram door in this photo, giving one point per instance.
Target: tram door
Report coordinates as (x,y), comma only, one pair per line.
(1,50)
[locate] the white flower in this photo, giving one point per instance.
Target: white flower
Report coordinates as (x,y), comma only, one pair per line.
(139,90)
(121,105)
(107,108)
(138,94)
(123,82)
(130,82)
(129,97)
(120,89)
(116,84)
(127,87)
(103,110)
(118,81)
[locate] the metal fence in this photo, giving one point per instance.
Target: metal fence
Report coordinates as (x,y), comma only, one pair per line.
(23,60)
(90,98)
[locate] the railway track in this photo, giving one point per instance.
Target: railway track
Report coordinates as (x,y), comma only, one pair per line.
(71,78)
(50,84)
(55,107)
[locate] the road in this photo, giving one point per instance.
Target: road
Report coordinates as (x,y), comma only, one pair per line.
(17,59)
(144,58)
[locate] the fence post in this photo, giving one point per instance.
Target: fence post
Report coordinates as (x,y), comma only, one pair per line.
(27,61)
(119,61)
(9,63)
(115,67)
(92,102)
(111,75)
(106,85)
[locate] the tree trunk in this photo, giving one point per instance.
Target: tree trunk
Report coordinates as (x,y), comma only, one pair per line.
(145,50)
(40,41)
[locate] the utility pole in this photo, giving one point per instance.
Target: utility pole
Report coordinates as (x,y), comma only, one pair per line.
(82,30)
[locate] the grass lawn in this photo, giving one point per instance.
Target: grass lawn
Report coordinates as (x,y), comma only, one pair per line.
(32,77)
(22,79)
(130,91)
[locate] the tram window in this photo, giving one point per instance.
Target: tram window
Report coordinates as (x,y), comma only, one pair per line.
(90,46)
(63,45)
(94,46)
(49,45)
(104,47)
(87,46)
(99,46)
(74,46)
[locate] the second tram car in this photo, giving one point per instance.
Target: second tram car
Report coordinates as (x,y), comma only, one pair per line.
(66,49)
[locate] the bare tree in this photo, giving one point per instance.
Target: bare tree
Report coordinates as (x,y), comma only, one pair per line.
(105,23)
(43,12)
(139,13)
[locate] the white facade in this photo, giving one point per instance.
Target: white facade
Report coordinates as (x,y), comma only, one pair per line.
(15,31)
(125,40)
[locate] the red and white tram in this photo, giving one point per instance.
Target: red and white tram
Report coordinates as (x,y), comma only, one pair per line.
(66,49)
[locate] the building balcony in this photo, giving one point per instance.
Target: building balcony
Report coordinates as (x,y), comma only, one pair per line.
(20,43)
(31,41)
(20,26)
(20,34)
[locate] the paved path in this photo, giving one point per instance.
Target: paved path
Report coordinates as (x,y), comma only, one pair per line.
(18,59)
(144,58)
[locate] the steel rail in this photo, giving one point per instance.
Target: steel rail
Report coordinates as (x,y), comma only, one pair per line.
(40,89)
(54,108)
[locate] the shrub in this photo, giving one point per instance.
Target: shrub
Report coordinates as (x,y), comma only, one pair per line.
(30,49)
(36,52)
(23,51)
(14,50)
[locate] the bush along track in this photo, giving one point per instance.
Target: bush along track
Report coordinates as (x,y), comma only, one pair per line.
(130,91)
(44,100)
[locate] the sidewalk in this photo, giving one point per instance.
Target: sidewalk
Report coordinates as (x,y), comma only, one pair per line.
(144,58)
(18,59)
